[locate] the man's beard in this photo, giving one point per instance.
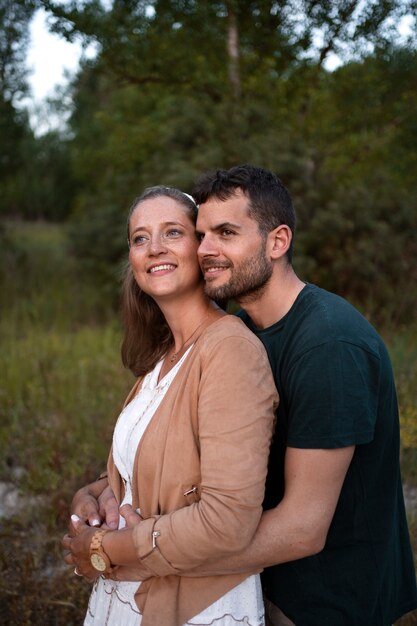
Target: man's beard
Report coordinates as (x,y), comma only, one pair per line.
(246,283)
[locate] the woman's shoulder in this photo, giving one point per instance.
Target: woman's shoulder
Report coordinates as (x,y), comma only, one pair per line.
(229,327)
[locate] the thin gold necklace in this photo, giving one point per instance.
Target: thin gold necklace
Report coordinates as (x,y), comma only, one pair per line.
(174,356)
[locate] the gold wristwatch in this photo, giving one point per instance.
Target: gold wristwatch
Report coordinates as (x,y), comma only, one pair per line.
(98,558)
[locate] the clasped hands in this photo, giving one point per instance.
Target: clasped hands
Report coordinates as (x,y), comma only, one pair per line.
(90,512)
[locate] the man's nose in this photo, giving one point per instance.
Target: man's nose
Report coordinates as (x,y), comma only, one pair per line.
(207,247)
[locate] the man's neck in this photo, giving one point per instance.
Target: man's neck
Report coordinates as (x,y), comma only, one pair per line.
(276,300)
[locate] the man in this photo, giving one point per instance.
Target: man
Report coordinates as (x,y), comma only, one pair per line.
(333,537)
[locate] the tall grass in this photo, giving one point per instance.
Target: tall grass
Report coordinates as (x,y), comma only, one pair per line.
(61,388)
(402,346)
(62,382)
(403,350)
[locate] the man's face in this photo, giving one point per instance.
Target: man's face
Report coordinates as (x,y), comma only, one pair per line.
(232,251)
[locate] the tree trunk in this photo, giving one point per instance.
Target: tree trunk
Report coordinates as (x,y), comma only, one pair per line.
(233,50)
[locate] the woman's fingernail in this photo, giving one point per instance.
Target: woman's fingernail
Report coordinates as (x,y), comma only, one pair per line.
(74,518)
(95,522)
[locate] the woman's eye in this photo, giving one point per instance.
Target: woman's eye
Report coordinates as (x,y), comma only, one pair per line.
(173,232)
(139,239)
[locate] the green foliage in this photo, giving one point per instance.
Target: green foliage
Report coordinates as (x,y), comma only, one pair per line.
(179,87)
(61,386)
(14,20)
(60,377)
(355,221)
(352,196)
(246,83)
(403,349)
(35,179)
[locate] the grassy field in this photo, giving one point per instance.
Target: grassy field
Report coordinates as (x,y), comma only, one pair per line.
(61,387)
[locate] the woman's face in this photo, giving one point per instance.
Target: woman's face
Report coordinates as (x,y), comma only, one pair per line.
(163,249)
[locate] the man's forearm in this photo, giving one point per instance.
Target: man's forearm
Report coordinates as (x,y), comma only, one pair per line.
(298,526)
(276,541)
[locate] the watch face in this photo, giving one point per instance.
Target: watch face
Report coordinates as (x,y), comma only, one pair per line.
(98,562)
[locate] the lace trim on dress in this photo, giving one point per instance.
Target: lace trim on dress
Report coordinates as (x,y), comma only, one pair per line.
(114,593)
(244,620)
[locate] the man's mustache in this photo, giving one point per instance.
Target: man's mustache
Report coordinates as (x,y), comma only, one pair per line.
(208,263)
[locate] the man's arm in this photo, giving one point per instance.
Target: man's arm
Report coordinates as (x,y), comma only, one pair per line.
(298,526)
(294,529)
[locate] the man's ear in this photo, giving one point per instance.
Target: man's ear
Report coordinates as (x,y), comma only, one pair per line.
(279,240)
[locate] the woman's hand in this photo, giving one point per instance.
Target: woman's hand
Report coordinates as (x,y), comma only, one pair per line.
(96,504)
(77,542)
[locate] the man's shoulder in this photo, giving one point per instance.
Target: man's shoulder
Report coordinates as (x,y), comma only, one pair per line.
(327,316)
(317,316)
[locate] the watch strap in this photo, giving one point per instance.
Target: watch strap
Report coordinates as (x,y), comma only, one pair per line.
(97,548)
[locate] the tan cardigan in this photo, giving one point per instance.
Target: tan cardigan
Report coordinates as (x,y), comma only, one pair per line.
(200,471)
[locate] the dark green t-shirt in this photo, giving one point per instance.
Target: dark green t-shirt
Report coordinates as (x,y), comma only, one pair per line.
(336,389)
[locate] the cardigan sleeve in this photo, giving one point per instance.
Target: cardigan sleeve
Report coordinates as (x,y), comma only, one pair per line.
(236,402)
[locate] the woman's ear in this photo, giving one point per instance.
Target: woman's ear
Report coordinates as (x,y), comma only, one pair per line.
(279,240)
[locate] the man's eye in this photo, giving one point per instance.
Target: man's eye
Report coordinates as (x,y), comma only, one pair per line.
(226,232)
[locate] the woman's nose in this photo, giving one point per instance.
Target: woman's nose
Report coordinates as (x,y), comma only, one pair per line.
(157,245)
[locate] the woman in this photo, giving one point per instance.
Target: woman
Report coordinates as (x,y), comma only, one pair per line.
(191,445)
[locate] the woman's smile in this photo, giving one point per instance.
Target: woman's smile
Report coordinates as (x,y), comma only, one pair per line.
(161,268)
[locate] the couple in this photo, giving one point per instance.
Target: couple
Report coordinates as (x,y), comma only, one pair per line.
(190,447)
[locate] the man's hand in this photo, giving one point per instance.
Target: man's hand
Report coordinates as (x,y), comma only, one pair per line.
(132,518)
(96,504)
(125,572)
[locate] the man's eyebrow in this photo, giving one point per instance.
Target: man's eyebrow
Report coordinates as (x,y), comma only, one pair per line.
(222,226)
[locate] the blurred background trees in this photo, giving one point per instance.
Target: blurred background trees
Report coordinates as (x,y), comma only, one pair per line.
(179,87)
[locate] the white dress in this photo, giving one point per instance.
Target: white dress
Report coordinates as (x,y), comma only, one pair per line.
(112,603)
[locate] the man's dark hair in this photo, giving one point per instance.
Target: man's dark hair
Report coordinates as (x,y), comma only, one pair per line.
(269,202)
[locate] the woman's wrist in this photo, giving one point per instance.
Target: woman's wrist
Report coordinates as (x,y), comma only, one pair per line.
(119,547)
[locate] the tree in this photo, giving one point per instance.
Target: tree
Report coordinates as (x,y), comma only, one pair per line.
(361,203)
(14,127)
(14,36)
(179,87)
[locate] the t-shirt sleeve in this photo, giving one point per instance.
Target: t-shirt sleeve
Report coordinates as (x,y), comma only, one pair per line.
(332,392)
